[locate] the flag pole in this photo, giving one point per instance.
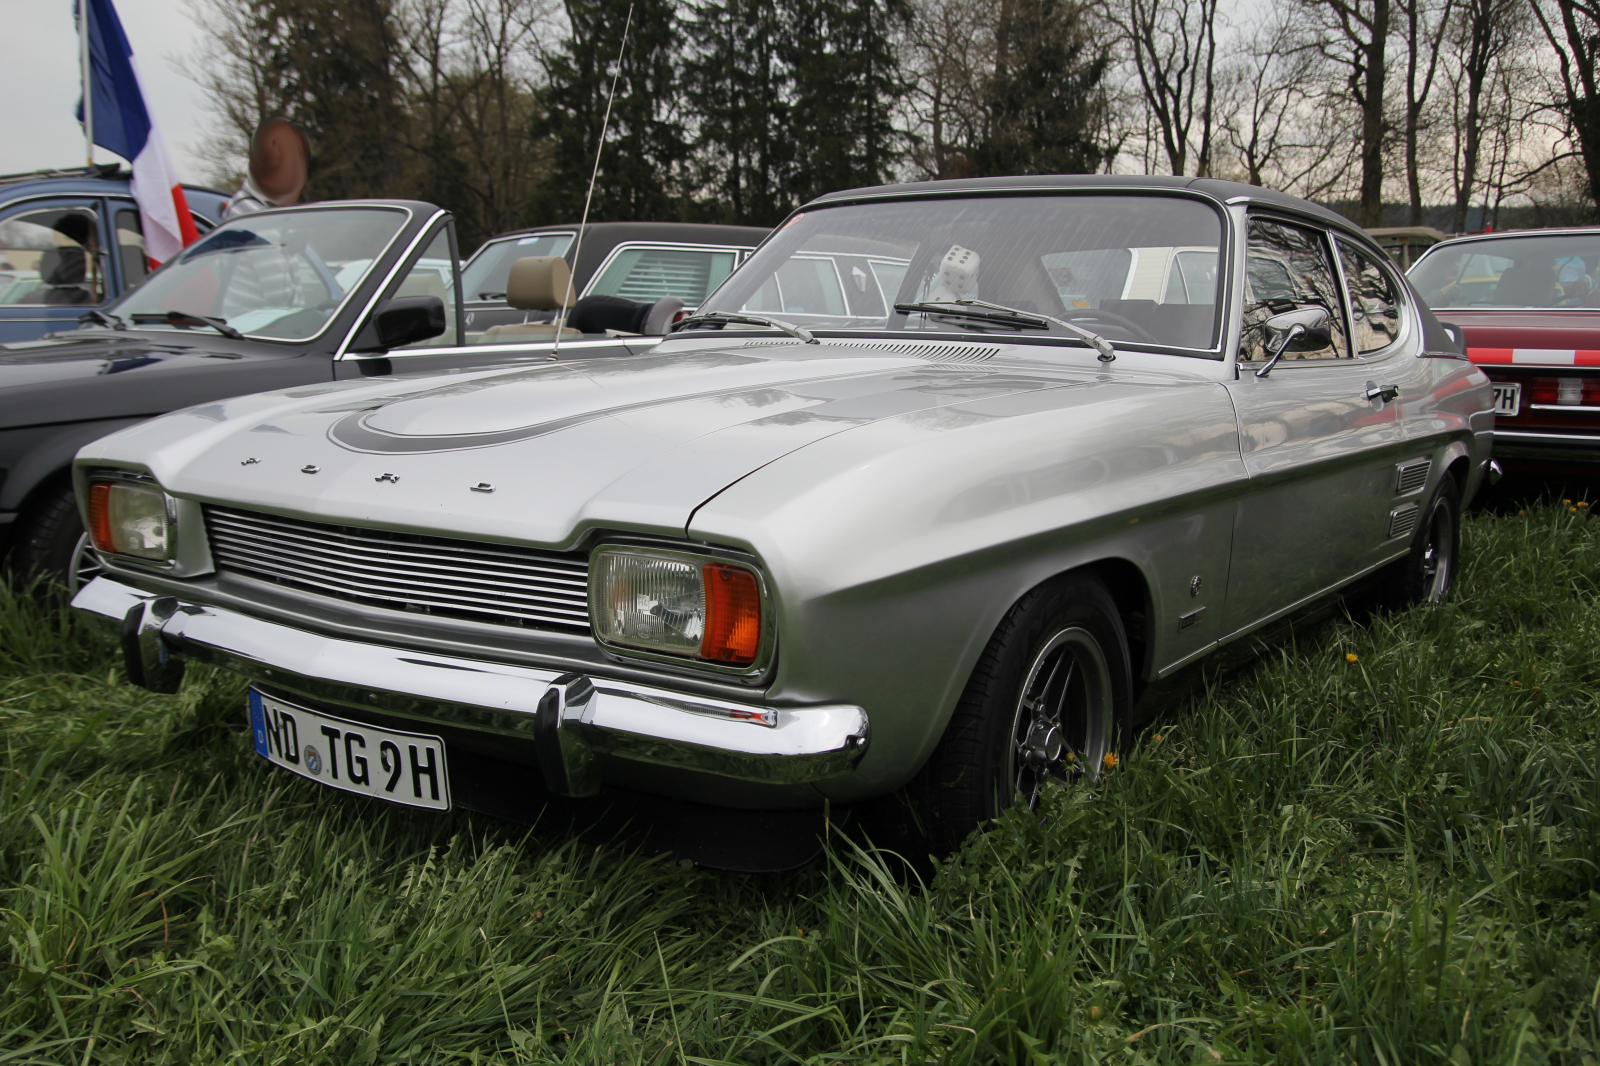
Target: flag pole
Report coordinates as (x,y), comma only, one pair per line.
(88,84)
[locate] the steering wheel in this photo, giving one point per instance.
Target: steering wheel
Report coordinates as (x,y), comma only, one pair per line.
(1094,314)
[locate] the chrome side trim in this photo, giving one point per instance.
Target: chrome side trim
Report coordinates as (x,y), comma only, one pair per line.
(591,716)
(1578,439)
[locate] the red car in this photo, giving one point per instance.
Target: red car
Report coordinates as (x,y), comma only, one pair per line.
(1529,306)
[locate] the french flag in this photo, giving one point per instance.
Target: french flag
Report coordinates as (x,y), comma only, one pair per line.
(122,124)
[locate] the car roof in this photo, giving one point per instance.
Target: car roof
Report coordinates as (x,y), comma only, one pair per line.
(694,232)
(104,180)
(1224,191)
(1555,231)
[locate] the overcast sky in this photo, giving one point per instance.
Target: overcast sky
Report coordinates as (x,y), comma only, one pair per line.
(39,83)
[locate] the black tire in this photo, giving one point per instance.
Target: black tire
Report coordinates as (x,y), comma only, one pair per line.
(996,750)
(1426,574)
(51,545)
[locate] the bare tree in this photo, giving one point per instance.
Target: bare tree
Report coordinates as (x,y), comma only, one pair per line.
(1426,22)
(1572,30)
(1172,46)
(1275,113)
(1356,36)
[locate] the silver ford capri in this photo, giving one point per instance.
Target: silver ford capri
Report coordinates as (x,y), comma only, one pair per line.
(919,504)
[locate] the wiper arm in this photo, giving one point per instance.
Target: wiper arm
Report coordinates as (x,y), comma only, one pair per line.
(491,296)
(104,318)
(968,308)
(798,332)
(183,318)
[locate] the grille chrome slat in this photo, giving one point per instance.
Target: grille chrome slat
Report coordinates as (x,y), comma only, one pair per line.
(494,583)
(286,567)
(400,563)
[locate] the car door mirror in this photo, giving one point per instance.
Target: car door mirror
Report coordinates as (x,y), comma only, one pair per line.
(408,319)
(1305,329)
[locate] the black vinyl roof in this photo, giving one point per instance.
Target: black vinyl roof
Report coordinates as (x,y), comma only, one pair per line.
(1213,187)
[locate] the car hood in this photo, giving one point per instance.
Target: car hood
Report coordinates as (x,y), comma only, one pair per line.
(1543,338)
(84,376)
(542,455)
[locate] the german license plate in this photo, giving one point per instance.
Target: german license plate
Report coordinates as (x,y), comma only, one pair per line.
(406,768)
(1507,397)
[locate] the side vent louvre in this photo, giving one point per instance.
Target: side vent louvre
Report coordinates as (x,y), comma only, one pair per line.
(1410,477)
(1403,520)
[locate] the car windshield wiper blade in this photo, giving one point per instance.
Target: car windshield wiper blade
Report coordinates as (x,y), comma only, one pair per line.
(970,308)
(491,296)
(104,318)
(184,318)
(797,332)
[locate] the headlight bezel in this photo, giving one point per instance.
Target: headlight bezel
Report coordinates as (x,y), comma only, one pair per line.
(700,556)
(145,483)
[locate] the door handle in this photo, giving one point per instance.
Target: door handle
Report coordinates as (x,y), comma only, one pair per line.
(1382,392)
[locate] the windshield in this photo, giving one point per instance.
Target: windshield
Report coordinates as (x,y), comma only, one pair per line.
(1555,270)
(278,276)
(484,277)
(1128,267)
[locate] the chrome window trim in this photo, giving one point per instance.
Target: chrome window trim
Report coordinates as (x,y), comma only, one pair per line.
(423,232)
(1231,232)
(681,246)
(333,316)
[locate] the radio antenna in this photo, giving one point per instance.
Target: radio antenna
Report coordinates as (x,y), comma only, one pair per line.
(588,197)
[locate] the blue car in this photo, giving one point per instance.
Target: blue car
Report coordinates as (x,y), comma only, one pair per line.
(72,241)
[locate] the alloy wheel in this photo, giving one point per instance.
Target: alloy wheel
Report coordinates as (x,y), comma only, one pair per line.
(1438,555)
(1063,722)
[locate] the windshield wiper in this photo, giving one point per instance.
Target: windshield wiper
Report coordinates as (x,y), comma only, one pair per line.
(183,318)
(969,308)
(104,318)
(798,332)
(491,296)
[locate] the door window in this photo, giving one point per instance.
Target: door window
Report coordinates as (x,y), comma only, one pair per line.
(433,273)
(130,247)
(52,257)
(1373,304)
(1288,269)
(648,274)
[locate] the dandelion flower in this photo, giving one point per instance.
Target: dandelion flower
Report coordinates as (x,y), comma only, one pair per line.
(1583,503)
(1351,657)
(1574,510)
(1110,760)
(1522,512)
(1517,683)
(1156,739)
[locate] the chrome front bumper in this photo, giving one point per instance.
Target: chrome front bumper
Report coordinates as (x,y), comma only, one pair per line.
(570,718)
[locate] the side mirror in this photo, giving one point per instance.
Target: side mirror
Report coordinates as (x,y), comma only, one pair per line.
(1307,329)
(408,319)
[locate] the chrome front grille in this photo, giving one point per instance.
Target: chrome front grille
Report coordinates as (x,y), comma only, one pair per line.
(497,583)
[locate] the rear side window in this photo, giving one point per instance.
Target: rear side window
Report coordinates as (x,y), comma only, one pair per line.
(1373,303)
(52,257)
(648,274)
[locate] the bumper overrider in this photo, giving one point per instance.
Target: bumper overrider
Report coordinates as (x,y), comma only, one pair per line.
(571,719)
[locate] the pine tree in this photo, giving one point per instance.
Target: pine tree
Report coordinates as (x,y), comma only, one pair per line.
(738,88)
(642,164)
(846,82)
(1044,102)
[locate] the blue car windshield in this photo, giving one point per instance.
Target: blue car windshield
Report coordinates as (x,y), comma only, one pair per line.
(276,275)
(1130,267)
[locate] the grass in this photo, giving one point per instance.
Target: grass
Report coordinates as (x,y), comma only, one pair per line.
(1387,859)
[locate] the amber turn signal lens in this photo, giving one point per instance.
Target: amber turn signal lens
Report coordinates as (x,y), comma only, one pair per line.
(100,515)
(733,614)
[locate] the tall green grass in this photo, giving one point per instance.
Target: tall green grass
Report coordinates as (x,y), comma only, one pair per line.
(1387,860)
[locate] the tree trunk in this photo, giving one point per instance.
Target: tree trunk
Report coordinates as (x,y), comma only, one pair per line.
(1372,123)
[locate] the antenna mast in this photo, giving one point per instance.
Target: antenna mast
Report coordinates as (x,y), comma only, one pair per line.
(605,124)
